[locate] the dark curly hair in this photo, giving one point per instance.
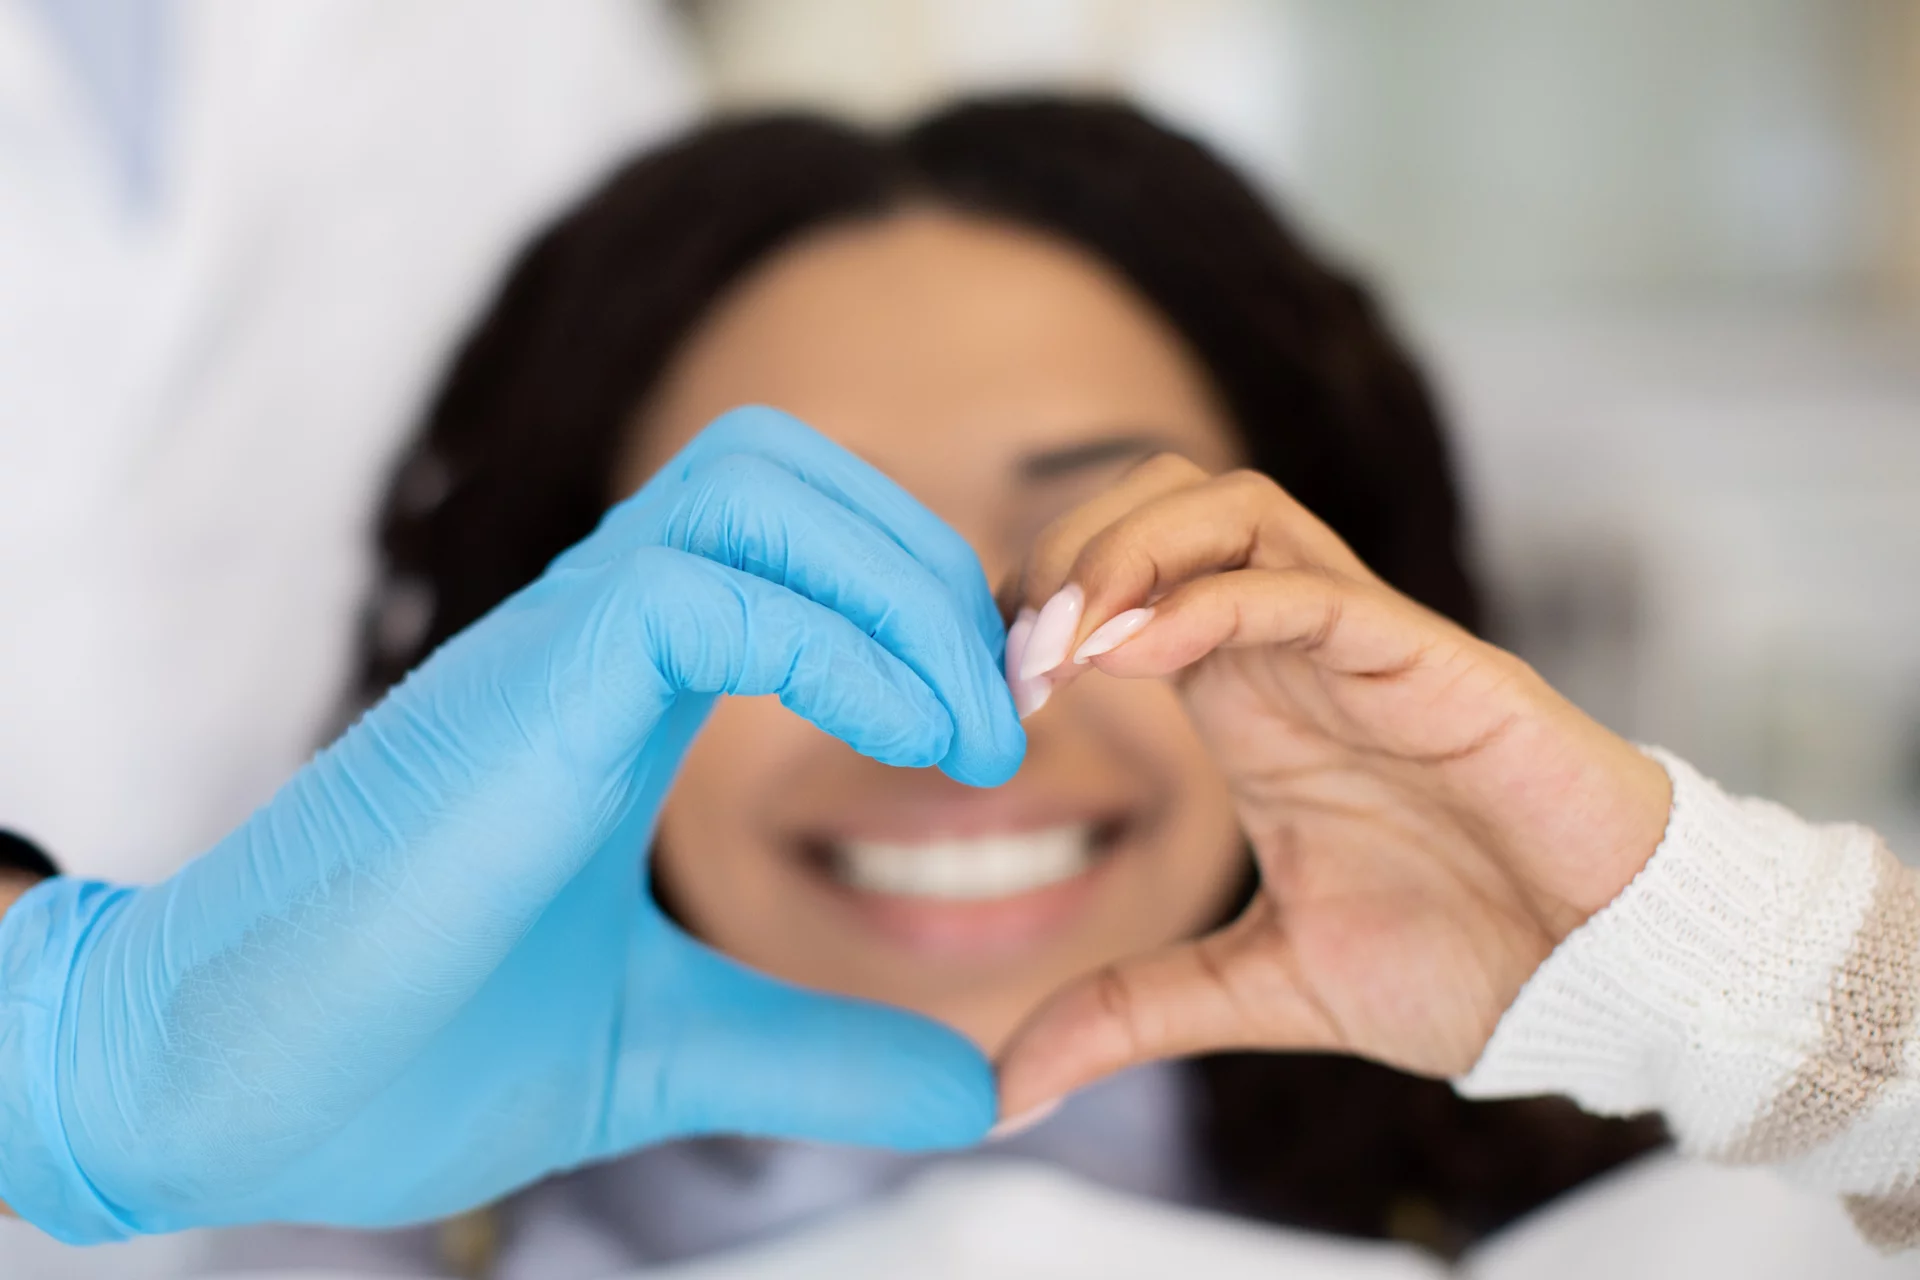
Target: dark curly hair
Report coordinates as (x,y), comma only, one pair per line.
(519,451)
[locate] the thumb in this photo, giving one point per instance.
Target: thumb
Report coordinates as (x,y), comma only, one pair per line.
(1235,989)
(747,1054)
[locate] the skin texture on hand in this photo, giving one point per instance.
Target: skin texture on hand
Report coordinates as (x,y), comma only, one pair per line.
(1429,817)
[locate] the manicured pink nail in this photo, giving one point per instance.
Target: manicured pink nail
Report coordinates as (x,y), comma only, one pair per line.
(1113,633)
(1053,632)
(1031,695)
(1028,695)
(1018,634)
(1022,1122)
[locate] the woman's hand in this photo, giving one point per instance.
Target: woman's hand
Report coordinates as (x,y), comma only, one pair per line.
(428,971)
(1430,818)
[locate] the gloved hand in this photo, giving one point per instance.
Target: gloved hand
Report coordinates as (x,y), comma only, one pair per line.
(428,971)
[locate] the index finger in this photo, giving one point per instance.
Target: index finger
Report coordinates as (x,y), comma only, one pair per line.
(782,440)
(787,442)
(1149,537)
(1059,545)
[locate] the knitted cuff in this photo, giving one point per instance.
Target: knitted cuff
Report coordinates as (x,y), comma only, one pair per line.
(1705,988)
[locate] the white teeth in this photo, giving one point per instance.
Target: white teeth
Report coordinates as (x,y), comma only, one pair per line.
(996,866)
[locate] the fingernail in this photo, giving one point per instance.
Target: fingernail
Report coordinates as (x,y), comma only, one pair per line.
(1017,636)
(1053,632)
(1028,695)
(1113,633)
(1031,695)
(1022,1122)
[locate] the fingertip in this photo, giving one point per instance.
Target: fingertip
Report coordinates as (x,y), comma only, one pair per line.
(748,424)
(995,766)
(956,1102)
(1063,1046)
(936,747)
(905,1082)
(927,741)
(989,751)
(1010,1126)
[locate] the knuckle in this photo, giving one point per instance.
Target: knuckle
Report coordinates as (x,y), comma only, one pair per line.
(1120,557)
(1114,997)
(1214,965)
(708,509)
(734,471)
(749,427)
(666,580)
(655,565)
(1256,485)
(1122,564)
(1333,606)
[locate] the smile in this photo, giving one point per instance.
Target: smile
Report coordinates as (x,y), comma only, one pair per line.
(985,894)
(971,869)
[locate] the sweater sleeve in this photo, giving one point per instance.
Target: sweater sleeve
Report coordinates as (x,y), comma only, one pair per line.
(1757,983)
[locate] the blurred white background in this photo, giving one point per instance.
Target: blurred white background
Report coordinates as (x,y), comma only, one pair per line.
(1665,258)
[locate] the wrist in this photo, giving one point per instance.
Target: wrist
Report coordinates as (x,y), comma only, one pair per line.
(1697,992)
(45,935)
(12,885)
(1640,796)
(1591,816)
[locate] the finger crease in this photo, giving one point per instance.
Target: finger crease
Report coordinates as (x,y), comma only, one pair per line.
(1115,998)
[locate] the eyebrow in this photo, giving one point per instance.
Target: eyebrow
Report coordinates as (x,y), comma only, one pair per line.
(1051,464)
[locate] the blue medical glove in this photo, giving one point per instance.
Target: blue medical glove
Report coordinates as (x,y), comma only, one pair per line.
(428,971)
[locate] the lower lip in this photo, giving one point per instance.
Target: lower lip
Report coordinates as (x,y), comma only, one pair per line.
(978,928)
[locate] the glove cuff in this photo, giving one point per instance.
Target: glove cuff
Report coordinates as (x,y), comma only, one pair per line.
(44,937)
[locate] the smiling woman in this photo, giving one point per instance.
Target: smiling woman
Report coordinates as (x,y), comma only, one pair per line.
(1003,376)
(1004,308)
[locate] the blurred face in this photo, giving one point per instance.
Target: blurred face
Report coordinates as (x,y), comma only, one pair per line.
(1002,378)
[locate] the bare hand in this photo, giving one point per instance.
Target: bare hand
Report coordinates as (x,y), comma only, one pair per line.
(1429,817)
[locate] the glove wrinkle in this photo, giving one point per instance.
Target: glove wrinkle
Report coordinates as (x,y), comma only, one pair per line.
(428,970)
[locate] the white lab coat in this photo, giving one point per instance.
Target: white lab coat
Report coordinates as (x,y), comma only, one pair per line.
(200,394)
(199,398)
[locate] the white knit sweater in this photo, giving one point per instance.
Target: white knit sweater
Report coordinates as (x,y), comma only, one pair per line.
(1757,983)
